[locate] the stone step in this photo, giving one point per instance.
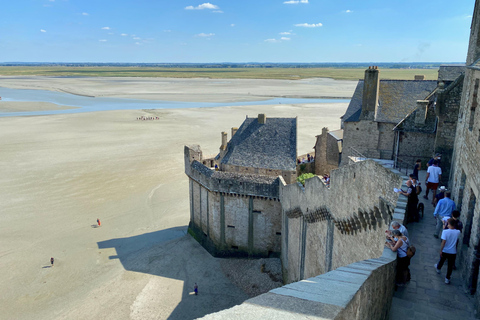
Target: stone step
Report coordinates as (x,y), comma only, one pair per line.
(411,308)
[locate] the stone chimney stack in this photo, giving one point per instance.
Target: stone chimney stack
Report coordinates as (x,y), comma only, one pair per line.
(370,93)
(224,141)
(262,119)
(419,77)
(234,130)
(421,112)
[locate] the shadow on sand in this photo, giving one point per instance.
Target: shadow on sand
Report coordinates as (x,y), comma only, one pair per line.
(173,254)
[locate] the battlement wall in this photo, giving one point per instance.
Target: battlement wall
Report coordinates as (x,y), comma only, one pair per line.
(325,228)
(233,214)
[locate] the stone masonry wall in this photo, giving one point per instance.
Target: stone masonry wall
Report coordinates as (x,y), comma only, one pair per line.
(465,181)
(447,109)
(362,136)
(325,228)
(233,214)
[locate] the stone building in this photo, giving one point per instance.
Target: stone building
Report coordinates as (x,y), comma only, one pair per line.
(328,151)
(377,106)
(236,211)
(430,128)
(465,177)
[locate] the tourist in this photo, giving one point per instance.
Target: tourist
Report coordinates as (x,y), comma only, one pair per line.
(415,183)
(437,157)
(399,243)
(195,289)
(412,202)
(434,175)
(442,211)
(98,222)
(448,249)
(417,167)
(397,226)
(52,261)
(439,196)
(458,223)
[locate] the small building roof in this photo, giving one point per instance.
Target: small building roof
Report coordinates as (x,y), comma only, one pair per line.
(450,72)
(272,145)
(396,99)
(337,134)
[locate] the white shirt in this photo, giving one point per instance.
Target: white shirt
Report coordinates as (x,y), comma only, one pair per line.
(434,173)
(451,236)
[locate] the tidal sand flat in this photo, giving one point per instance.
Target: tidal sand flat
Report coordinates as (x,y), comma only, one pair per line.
(59,173)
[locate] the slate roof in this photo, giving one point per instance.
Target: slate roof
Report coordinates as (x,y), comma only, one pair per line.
(272,145)
(397,98)
(450,72)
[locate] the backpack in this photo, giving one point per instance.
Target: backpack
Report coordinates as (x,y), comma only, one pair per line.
(411,251)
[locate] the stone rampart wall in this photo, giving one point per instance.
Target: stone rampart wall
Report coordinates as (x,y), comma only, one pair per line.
(358,291)
(233,214)
(325,228)
(465,183)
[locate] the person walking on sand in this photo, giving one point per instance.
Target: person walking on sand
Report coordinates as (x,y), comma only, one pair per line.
(195,289)
(98,222)
(52,261)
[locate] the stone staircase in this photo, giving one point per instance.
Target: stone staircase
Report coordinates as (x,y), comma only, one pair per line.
(427,296)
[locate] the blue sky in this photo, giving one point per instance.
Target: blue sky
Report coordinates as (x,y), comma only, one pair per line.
(235,30)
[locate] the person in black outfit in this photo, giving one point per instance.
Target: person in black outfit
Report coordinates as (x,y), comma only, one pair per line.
(412,202)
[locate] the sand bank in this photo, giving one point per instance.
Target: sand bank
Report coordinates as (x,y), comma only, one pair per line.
(59,173)
(25,106)
(193,90)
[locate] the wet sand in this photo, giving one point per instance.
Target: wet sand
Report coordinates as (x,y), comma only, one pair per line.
(59,173)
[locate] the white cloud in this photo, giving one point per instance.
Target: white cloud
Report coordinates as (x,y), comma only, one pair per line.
(102,40)
(348,11)
(284,38)
(136,38)
(84,14)
(285,33)
(205,34)
(124,34)
(295,1)
(106,28)
(206,5)
(137,43)
(271,40)
(41,30)
(232,25)
(217,11)
(309,25)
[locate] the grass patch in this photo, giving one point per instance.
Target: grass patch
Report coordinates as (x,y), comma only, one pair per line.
(215,73)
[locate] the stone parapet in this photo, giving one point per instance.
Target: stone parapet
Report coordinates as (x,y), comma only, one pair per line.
(361,290)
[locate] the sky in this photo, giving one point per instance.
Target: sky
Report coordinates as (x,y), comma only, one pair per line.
(206,31)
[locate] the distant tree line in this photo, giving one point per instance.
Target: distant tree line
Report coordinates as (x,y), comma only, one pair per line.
(383,65)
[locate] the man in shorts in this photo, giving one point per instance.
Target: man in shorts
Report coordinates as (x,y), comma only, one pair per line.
(434,175)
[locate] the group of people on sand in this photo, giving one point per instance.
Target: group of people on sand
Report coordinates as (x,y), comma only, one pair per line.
(147,118)
(448,225)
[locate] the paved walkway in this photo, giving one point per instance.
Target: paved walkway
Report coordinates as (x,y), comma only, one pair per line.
(427,296)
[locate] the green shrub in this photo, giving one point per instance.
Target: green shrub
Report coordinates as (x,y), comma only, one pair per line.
(304,177)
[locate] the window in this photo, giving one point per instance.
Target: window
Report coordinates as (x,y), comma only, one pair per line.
(229,226)
(474,105)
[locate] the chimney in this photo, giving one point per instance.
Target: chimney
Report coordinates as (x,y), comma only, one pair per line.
(419,77)
(224,141)
(370,94)
(234,130)
(421,112)
(262,118)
